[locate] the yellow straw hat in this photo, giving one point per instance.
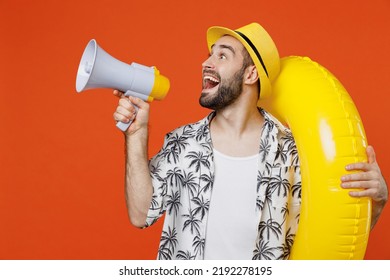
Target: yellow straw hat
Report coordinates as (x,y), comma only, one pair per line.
(261,49)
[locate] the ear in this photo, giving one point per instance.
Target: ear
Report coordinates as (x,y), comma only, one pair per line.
(251,76)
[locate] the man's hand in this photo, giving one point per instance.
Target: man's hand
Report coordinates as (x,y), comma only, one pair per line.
(370,182)
(127,111)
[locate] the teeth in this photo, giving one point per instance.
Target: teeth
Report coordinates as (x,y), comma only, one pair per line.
(211,79)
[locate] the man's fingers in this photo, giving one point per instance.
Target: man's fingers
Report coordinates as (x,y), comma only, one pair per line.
(371,154)
(371,162)
(122,115)
(118,93)
(360,176)
(362,166)
(125,111)
(139,103)
(126,104)
(360,184)
(364,193)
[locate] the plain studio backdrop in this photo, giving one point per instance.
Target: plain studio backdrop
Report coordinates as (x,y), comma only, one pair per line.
(61,156)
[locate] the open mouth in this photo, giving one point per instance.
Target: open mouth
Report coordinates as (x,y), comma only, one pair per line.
(210,81)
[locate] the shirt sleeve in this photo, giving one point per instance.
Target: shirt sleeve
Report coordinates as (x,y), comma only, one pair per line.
(158,166)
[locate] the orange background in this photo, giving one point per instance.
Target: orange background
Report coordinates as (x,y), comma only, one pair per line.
(61,156)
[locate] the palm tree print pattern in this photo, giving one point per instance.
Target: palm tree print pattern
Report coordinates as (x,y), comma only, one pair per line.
(183,175)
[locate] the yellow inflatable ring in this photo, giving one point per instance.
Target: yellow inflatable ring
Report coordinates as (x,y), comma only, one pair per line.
(329,134)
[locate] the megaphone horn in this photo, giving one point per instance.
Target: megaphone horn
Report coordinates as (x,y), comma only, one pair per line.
(98,69)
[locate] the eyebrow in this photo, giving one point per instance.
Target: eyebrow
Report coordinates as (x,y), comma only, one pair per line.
(225,47)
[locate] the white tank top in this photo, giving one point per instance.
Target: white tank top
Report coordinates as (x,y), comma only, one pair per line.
(233,220)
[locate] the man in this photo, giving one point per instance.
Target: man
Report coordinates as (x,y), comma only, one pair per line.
(214,179)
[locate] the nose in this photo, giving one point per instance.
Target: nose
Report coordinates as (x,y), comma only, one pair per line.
(208,63)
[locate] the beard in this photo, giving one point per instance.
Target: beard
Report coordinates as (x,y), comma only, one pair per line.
(228,92)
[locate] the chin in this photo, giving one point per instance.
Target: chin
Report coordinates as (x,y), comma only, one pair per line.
(204,100)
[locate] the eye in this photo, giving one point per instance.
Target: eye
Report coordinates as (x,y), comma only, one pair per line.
(222,55)
(218,55)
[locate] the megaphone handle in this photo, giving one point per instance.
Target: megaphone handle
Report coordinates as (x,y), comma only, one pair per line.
(124,126)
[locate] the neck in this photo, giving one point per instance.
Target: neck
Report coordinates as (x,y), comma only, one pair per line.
(236,129)
(236,121)
(240,117)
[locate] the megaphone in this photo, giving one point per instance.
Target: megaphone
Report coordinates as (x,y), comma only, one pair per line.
(98,69)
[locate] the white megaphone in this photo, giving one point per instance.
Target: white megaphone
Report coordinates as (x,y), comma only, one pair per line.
(97,69)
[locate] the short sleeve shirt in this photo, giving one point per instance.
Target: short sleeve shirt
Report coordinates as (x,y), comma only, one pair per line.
(183,174)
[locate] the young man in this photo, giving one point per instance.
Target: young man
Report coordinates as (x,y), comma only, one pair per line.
(217,180)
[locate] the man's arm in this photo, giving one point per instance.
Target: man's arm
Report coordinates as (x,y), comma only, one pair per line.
(371,182)
(138,183)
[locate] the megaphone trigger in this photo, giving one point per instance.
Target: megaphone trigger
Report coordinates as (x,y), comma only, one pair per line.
(139,95)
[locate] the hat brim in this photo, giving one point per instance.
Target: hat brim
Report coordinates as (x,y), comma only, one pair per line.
(216,32)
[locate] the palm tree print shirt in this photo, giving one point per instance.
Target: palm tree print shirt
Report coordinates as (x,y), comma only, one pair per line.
(183,175)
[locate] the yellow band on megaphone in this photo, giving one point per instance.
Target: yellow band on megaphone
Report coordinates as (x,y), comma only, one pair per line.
(160,87)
